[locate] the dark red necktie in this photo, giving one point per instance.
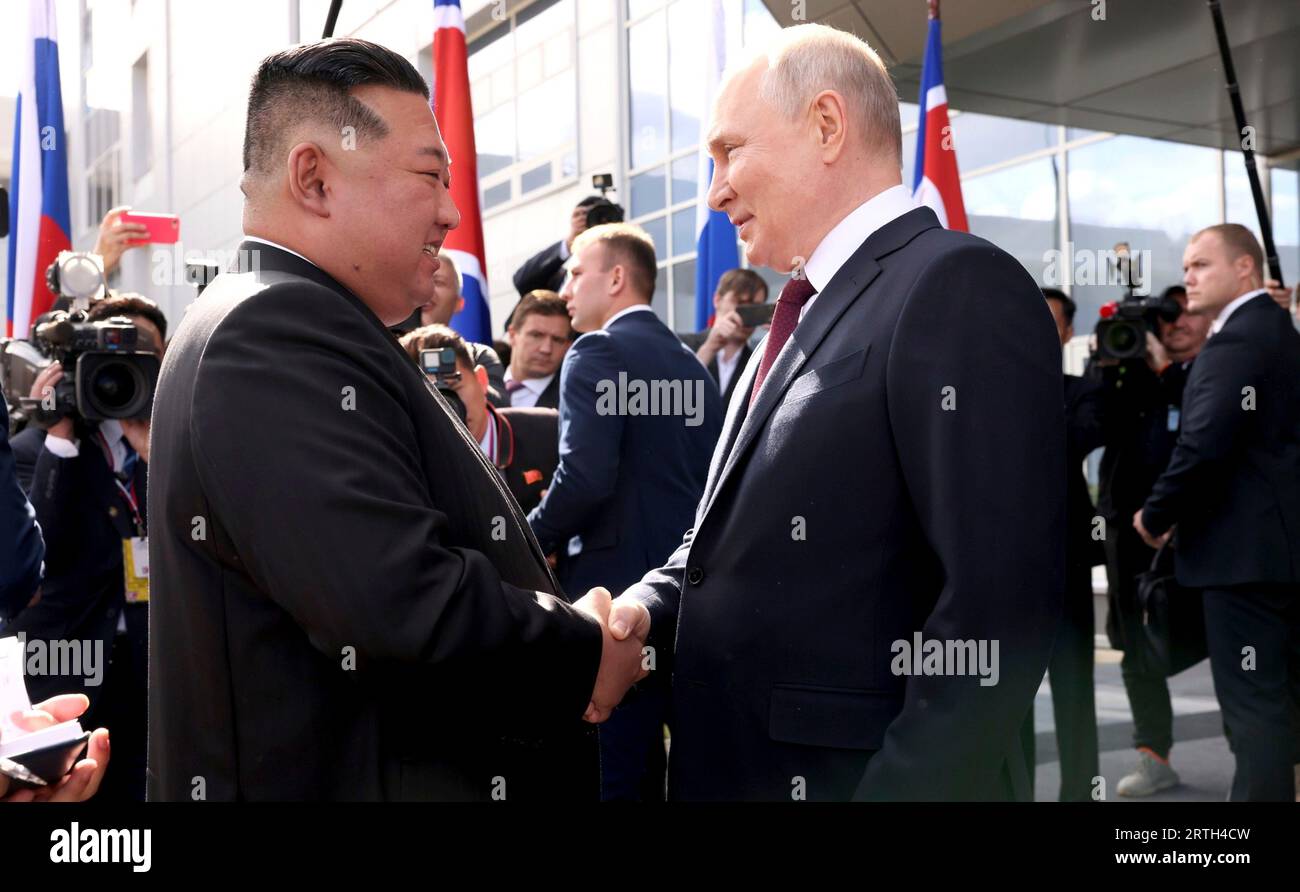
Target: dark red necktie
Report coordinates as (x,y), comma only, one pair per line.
(794,295)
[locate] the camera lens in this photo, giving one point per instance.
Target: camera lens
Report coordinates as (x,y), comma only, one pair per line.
(114,387)
(1121,340)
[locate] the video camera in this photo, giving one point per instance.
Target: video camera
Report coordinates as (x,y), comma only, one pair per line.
(440,365)
(105,374)
(604,211)
(1122,331)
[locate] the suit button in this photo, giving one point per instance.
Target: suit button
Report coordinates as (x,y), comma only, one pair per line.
(694,575)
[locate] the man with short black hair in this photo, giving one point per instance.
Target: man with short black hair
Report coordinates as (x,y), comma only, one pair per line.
(348,604)
(522,443)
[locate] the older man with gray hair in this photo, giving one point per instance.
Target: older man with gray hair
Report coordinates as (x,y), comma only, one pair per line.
(866,602)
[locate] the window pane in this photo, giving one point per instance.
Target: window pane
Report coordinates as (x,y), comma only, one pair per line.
(547,117)
(657,229)
(638,8)
(1015,209)
(535,178)
(684,296)
(759,24)
(648,75)
(982,140)
(908,114)
(1149,193)
(498,194)
(687,58)
(684,241)
(494,135)
(685,171)
(1286,222)
(648,192)
(659,303)
(491,51)
(541,21)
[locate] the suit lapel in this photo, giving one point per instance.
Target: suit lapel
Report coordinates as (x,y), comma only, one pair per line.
(854,278)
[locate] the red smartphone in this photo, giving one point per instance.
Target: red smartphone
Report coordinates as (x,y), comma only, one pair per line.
(164,229)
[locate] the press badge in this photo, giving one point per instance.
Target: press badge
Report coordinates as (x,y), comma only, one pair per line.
(135,563)
(1172,425)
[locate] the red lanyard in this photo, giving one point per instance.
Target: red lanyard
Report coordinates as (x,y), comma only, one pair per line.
(127,493)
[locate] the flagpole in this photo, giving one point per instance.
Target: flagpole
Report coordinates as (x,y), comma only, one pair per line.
(332,19)
(1247,153)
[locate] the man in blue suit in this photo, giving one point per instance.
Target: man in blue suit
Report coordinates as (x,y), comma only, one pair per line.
(21,549)
(639,417)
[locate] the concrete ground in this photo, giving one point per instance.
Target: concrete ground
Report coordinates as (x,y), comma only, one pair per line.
(1200,754)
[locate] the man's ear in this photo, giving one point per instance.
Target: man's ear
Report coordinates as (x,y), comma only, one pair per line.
(828,116)
(481,374)
(617,278)
(307,168)
(510,336)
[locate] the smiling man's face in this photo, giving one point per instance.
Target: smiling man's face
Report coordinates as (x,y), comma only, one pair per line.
(393,204)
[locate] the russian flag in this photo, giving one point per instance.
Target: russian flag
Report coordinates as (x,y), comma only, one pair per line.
(38,201)
(455,113)
(715,237)
(935,182)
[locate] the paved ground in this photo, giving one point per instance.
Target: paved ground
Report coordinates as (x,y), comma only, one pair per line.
(1200,755)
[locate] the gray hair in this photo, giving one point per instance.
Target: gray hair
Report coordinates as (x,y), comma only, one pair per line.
(804,60)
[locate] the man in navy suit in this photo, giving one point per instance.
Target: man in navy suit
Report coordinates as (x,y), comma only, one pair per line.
(1232,487)
(865,603)
(639,417)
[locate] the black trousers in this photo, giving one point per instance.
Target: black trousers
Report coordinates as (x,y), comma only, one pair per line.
(1254,638)
(1148,693)
(1074,706)
(123,708)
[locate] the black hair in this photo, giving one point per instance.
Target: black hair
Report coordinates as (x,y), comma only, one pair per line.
(1068,306)
(313,82)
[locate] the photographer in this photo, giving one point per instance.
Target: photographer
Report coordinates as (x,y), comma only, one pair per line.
(89,484)
(723,348)
(1141,407)
(544,271)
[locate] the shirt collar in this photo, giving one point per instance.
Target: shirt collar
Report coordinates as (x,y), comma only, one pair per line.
(111,430)
(1232,308)
(849,234)
(621,313)
(264,241)
(536,385)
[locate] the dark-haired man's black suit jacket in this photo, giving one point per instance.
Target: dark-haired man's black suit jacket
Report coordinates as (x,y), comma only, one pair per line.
(544,271)
(900,472)
(1233,482)
(347,603)
(528,451)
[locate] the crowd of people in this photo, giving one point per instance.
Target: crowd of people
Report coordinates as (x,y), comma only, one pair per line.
(350,509)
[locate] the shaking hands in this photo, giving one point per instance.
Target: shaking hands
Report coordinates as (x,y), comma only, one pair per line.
(625,625)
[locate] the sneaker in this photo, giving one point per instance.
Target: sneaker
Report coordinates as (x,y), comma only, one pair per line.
(1152,775)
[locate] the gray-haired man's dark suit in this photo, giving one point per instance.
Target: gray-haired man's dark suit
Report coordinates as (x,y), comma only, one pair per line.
(899,473)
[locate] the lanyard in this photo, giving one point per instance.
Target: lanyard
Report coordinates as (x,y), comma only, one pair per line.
(127,493)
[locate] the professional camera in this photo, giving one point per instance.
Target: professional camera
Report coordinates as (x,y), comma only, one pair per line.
(604,211)
(104,374)
(1122,331)
(440,365)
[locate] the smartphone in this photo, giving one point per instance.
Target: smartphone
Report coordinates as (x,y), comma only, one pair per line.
(754,315)
(164,229)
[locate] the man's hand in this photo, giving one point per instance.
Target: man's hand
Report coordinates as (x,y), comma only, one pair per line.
(1279,294)
(724,328)
(115,237)
(43,389)
(625,626)
(83,780)
(1147,537)
(136,431)
(1157,356)
(577,226)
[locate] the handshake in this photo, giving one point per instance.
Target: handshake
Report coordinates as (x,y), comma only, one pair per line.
(625,625)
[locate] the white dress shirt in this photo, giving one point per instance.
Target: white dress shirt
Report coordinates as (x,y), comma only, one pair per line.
(526,396)
(621,313)
(727,367)
(848,235)
(1232,308)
